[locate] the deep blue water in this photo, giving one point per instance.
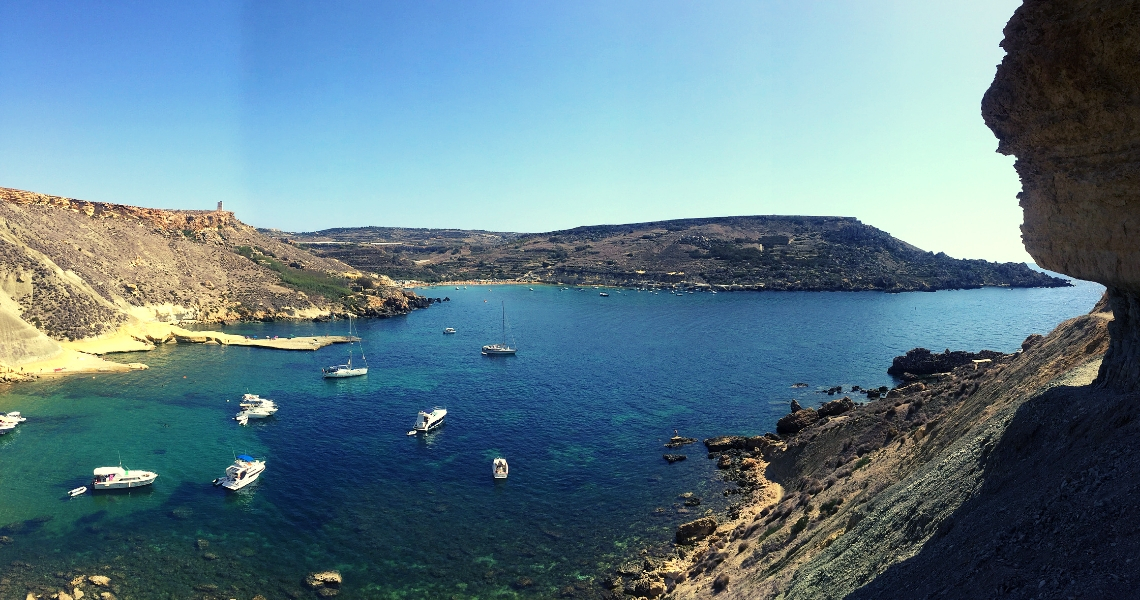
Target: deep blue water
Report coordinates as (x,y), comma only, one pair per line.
(581,413)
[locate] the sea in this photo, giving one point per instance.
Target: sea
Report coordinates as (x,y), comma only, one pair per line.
(581,413)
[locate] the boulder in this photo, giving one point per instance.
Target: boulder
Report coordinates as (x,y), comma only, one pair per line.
(796,406)
(693,531)
(724,442)
(99,580)
(836,407)
(796,422)
(672,458)
(678,441)
(324,579)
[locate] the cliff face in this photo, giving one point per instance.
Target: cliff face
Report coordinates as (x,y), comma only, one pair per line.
(1066,103)
(72,269)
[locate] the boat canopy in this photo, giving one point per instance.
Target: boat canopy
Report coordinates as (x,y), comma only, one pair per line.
(104,471)
(245,457)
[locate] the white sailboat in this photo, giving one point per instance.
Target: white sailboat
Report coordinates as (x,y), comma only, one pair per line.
(347,370)
(502,349)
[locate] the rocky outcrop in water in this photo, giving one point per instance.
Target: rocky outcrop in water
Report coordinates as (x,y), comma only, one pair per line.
(1066,103)
(921,361)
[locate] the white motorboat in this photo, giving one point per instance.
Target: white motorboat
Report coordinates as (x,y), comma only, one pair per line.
(449,331)
(427,421)
(347,370)
(242,418)
(6,427)
(243,472)
(77,491)
(603,294)
(502,349)
(118,478)
(499,468)
(253,402)
(13,417)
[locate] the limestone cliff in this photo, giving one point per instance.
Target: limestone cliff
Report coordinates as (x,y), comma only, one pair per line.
(1066,103)
(72,270)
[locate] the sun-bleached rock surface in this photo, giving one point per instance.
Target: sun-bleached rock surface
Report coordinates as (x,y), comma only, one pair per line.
(1066,102)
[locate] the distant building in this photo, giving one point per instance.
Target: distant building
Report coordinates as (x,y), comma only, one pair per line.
(219,207)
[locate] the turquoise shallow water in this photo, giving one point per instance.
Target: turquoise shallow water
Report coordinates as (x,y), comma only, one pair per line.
(581,413)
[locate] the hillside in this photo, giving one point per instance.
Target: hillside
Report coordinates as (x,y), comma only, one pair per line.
(762,252)
(72,270)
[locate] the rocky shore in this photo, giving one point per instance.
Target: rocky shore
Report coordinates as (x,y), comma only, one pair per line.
(849,490)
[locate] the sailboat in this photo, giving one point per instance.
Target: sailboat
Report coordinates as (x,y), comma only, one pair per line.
(347,370)
(503,348)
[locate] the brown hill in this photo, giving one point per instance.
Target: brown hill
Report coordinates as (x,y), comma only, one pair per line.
(73,270)
(762,252)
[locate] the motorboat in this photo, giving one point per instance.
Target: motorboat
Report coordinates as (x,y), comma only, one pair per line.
(117,478)
(501,349)
(13,417)
(251,402)
(77,491)
(499,468)
(427,421)
(5,427)
(449,331)
(347,370)
(242,418)
(603,294)
(243,472)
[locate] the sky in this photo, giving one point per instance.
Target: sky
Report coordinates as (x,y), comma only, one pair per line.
(517,115)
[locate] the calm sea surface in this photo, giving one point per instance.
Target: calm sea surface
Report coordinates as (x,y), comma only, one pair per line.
(581,413)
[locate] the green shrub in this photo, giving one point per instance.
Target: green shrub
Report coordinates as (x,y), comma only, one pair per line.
(862,462)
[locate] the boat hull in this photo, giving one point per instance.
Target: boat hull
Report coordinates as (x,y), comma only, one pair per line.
(122,485)
(346,373)
(498,351)
(234,486)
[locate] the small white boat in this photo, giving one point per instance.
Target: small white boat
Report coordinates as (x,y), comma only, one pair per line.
(242,418)
(243,472)
(427,421)
(499,468)
(603,294)
(118,478)
(13,417)
(77,491)
(449,331)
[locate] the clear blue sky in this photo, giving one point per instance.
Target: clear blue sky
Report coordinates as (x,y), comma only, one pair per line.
(517,116)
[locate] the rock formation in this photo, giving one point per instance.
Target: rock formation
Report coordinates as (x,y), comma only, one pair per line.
(921,361)
(74,270)
(1066,103)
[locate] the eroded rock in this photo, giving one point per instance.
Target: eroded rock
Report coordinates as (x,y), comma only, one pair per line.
(796,422)
(693,531)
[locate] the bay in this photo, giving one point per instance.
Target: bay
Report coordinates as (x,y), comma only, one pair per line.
(581,413)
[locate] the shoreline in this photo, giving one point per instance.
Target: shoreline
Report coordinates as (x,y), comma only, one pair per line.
(85,357)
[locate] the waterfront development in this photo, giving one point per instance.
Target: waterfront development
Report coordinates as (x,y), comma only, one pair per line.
(598,385)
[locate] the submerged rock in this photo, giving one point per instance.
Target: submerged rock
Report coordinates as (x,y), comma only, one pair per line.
(672,458)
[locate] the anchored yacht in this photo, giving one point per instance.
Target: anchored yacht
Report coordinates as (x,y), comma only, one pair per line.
(427,421)
(243,472)
(116,478)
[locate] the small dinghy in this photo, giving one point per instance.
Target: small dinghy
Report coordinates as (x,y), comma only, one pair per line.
(242,418)
(78,491)
(499,468)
